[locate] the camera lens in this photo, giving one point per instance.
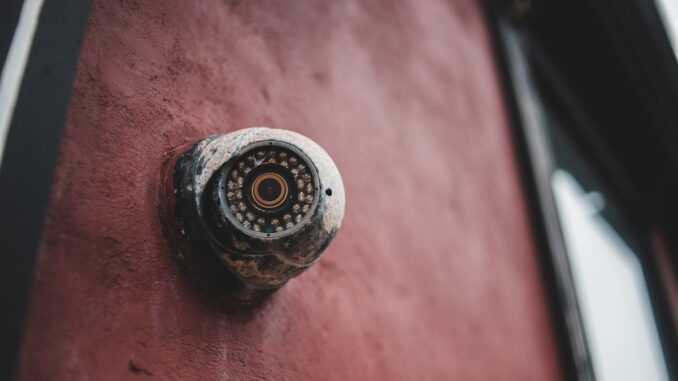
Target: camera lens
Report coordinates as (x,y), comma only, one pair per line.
(269,190)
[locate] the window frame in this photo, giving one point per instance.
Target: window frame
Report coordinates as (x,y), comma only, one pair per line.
(520,58)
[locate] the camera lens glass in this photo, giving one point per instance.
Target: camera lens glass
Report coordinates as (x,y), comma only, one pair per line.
(271,188)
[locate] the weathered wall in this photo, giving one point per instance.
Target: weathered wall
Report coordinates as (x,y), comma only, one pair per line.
(433,276)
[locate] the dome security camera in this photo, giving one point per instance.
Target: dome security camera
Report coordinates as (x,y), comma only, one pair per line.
(251,209)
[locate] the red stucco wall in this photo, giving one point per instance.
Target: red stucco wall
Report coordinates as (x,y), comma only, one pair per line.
(434,275)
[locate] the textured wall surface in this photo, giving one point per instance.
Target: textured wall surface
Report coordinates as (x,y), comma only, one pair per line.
(434,275)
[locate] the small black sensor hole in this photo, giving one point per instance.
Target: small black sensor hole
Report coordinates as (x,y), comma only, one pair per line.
(328,192)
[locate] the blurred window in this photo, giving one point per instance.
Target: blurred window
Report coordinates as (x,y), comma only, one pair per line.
(608,275)
(668,10)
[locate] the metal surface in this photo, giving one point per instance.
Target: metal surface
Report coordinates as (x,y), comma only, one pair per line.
(257,262)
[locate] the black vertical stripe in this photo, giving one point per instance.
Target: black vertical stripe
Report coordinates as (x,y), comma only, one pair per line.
(29,159)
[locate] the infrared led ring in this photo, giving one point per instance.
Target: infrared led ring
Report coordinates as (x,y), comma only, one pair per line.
(268,190)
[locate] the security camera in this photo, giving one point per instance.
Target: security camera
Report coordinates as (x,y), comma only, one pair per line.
(252,209)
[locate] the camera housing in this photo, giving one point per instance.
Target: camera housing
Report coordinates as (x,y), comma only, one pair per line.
(251,209)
